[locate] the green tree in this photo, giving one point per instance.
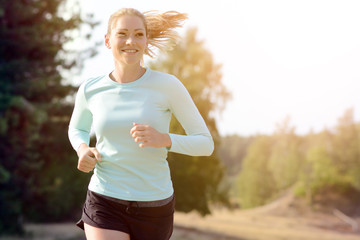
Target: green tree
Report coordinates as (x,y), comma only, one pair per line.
(319,173)
(232,151)
(271,166)
(35,156)
(256,184)
(286,156)
(322,167)
(330,175)
(197,180)
(346,148)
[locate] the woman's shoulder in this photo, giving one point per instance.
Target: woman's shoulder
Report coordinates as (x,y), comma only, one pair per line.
(91,83)
(163,78)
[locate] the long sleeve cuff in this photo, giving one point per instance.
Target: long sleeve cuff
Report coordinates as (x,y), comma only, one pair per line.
(194,145)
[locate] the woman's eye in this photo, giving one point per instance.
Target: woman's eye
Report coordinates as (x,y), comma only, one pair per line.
(121,34)
(139,34)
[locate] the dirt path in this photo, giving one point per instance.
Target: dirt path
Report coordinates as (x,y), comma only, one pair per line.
(68,231)
(261,226)
(224,225)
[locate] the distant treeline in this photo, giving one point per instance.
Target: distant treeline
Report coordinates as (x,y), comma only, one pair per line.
(262,167)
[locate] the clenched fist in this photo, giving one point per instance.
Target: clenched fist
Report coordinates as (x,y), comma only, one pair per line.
(88,156)
(149,137)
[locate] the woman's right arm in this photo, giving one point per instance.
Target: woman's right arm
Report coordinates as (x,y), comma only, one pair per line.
(81,120)
(79,133)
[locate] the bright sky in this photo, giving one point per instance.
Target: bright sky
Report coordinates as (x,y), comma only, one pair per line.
(296,58)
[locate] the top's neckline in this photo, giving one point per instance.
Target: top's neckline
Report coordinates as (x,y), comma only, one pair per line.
(128,84)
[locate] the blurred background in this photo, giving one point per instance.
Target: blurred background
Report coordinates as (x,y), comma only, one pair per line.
(277,83)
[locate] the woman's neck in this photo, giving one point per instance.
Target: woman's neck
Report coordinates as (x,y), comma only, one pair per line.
(126,74)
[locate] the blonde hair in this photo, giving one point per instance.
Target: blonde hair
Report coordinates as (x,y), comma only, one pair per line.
(159,27)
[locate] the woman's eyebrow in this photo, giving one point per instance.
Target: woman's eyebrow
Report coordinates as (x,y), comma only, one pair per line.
(125,29)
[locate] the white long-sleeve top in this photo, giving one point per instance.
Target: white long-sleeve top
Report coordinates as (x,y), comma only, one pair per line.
(127,171)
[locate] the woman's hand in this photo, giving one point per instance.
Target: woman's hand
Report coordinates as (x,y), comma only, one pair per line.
(88,156)
(149,137)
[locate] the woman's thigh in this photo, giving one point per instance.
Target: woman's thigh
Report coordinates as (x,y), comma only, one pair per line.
(94,233)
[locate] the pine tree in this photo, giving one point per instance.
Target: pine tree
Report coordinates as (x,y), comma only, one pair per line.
(35,156)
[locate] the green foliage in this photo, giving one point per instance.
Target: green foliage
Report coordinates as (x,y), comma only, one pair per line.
(319,173)
(270,166)
(346,148)
(285,158)
(256,184)
(35,158)
(197,180)
(316,164)
(332,160)
(232,151)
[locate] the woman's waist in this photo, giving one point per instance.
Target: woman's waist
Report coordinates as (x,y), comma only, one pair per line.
(134,189)
(154,203)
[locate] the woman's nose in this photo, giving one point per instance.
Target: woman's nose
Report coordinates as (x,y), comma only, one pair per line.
(129,40)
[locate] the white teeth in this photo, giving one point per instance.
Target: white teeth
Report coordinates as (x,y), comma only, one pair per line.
(130,51)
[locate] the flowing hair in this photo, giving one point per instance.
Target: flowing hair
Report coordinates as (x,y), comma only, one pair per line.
(160,27)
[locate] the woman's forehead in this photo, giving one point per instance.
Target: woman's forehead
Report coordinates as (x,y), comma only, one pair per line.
(129,22)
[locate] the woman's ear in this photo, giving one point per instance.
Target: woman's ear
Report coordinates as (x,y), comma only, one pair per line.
(107,41)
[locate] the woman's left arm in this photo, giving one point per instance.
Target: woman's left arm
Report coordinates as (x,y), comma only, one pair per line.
(198,140)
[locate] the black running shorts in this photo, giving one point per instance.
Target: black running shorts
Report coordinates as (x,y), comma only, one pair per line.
(135,218)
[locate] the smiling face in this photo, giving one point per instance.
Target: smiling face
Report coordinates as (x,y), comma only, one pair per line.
(127,39)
